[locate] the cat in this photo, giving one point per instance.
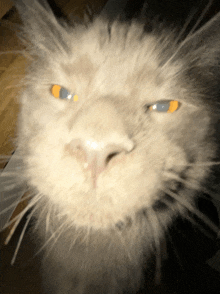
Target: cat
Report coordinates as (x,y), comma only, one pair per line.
(117,133)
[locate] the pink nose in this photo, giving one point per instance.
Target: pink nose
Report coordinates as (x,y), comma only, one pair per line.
(98,154)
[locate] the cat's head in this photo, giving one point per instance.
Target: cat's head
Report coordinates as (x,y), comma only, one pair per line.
(115,121)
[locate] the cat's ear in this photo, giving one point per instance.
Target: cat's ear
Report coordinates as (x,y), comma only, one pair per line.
(200,54)
(41,27)
(22,3)
(205,41)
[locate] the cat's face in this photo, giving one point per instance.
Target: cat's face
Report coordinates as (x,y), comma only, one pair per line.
(115,151)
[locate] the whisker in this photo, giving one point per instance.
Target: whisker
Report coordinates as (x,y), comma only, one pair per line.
(57,237)
(195,224)
(199,20)
(213,195)
(9,179)
(14,204)
(12,52)
(155,228)
(9,187)
(188,36)
(6,180)
(174,249)
(76,236)
(184,28)
(48,219)
(51,237)
(124,245)
(16,220)
(21,237)
(193,186)
(14,195)
(11,173)
(74,241)
(194,211)
(177,178)
(89,229)
(39,217)
(20,216)
(85,236)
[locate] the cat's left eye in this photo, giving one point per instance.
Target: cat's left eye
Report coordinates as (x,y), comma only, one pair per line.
(62,93)
(165,106)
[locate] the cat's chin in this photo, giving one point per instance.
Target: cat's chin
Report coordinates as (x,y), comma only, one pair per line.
(112,200)
(121,190)
(101,208)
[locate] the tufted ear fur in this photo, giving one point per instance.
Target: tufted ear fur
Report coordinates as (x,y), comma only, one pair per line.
(201,54)
(206,37)
(41,27)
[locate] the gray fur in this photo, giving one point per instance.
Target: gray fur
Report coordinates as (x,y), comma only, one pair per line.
(96,241)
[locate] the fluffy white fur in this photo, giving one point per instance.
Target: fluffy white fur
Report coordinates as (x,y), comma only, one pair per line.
(98,224)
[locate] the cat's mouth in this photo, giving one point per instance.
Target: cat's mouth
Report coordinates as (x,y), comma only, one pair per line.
(101,192)
(97,199)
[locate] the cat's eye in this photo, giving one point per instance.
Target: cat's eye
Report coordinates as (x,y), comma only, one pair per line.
(62,93)
(164,106)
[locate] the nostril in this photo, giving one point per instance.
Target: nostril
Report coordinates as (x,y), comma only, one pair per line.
(96,155)
(110,156)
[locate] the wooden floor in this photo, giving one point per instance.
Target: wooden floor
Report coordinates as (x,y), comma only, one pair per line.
(23,277)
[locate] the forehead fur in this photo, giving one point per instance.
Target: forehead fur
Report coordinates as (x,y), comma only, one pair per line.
(101,49)
(114,59)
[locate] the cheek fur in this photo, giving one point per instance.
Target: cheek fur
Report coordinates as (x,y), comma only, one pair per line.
(130,182)
(101,212)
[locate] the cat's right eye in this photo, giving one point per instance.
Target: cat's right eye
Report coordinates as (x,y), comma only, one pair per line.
(61,93)
(168,106)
